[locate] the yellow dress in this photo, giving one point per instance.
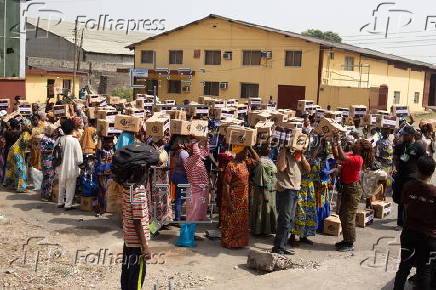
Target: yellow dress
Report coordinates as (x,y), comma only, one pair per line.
(16,169)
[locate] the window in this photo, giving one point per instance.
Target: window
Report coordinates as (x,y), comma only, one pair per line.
(416,99)
(251,57)
(66,84)
(212,88)
(249,91)
(197,53)
(332,55)
(147,56)
(174,87)
(396,98)
(293,58)
(349,63)
(212,57)
(176,57)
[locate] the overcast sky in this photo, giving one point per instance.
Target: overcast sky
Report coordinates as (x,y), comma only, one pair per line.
(407,36)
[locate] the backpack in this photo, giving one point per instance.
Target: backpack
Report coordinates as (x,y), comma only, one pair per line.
(130,158)
(58,155)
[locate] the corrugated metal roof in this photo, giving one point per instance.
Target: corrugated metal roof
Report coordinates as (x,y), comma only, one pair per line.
(98,41)
(328,44)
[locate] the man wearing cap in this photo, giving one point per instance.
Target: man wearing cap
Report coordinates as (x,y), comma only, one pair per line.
(406,154)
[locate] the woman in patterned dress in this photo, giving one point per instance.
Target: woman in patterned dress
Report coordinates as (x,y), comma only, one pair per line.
(235,200)
(104,171)
(48,172)
(16,168)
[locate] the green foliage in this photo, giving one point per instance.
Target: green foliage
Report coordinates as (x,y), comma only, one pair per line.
(125,93)
(326,35)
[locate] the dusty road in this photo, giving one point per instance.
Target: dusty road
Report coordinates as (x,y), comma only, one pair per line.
(67,260)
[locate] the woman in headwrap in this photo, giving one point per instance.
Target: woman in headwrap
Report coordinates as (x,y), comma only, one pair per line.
(37,133)
(103,168)
(235,200)
(78,127)
(16,168)
(87,141)
(48,172)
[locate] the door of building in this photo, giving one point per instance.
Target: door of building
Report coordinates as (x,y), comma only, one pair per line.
(288,96)
(50,88)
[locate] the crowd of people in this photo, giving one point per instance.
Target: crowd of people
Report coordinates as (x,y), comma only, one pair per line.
(252,190)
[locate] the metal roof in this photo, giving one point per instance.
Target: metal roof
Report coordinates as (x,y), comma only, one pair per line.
(324,43)
(97,41)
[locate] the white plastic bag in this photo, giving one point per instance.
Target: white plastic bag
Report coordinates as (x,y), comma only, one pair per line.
(36,178)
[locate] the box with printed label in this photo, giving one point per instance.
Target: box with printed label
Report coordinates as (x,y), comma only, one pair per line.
(177,114)
(304,105)
(180,127)
(61,111)
(86,203)
(364,217)
(381,209)
(112,100)
(255,101)
(264,130)
(106,128)
(370,120)
(108,115)
(345,111)
(358,111)
(128,123)
(388,122)
(241,136)
(157,126)
(4,104)
(300,141)
(199,128)
(332,225)
(400,111)
(232,103)
(136,112)
(335,115)
(329,127)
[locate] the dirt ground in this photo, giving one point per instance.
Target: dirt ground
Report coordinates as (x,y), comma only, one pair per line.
(45,247)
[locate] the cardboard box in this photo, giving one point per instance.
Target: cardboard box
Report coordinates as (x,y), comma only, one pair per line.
(345,111)
(199,128)
(180,127)
(25,109)
(204,99)
(369,120)
(61,111)
(241,136)
(242,109)
(335,115)
(388,122)
(87,203)
(128,123)
(227,123)
(200,111)
(257,116)
(106,128)
(358,111)
(232,103)
(177,115)
(106,115)
(255,102)
(400,111)
(292,125)
(381,209)
(219,104)
(4,104)
(380,112)
(364,217)
(304,105)
(332,225)
(287,112)
(90,112)
(300,141)
(278,117)
(140,113)
(329,127)
(264,131)
(320,113)
(224,113)
(112,100)
(157,126)
(170,102)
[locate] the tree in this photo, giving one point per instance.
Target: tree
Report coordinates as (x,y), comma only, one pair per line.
(125,93)
(326,35)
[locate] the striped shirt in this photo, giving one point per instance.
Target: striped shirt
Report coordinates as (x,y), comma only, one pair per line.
(134,208)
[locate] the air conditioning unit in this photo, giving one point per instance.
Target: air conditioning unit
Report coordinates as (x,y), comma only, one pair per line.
(266,54)
(227,55)
(186,89)
(224,85)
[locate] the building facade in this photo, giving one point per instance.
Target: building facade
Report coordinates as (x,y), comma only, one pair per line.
(12,49)
(227,58)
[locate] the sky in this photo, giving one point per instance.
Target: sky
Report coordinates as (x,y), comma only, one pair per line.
(405,21)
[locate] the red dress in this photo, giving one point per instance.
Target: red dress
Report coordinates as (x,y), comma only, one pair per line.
(235,225)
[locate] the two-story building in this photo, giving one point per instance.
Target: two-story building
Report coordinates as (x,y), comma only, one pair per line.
(227,58)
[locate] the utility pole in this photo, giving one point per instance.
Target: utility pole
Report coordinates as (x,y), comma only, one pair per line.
(79,55)
(75,59)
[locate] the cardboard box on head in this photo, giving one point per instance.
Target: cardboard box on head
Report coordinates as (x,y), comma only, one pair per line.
(335,115)
(329,128)
(106,128)
(388,122)
(304,105)
(300,142)
(400,111)
(264,131)
(61,111)
(199,128)
(157,126)
(128,123)
(241,136)
(345,111)
(180,127)
(358,110)
(369,120)
(4,104)
(107,115)
(177,114)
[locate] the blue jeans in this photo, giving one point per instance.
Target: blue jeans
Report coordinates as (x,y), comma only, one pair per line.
(179,178)
(286,206)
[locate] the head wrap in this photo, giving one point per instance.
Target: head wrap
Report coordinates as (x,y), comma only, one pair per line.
(237,148)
